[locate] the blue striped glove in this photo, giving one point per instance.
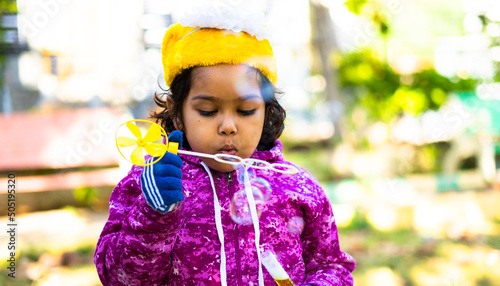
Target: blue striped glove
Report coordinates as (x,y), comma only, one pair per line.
(161,182)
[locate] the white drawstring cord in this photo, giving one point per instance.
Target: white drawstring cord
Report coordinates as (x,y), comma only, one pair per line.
(220,231)
(255,221)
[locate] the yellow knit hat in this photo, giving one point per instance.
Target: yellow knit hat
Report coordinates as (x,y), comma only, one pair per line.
(186,47)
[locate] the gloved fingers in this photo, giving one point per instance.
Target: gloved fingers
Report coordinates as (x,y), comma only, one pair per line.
(172,196)
(167,170)
(170,159)
(175,136)
(168,183)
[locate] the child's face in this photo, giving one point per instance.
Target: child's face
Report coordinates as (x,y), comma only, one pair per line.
(224,112)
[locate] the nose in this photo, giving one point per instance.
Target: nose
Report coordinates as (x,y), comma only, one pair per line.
(228,126)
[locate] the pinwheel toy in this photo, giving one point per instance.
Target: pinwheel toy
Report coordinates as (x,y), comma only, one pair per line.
(146,143)
(154,134)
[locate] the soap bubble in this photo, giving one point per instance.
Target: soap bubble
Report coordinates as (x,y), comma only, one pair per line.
(261,187)
(296,225)
(240,173)
(240,208)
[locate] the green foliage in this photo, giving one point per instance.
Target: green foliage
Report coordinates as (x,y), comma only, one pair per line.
(85,195)
(399,250)
(375,13)
(6,7)
(369,82)
(358,222)
(487,21)
(314,158)
(32,252)
(355,5)
(87,249)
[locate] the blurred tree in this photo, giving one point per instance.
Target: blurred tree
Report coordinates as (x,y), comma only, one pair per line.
(373,13)
(364,78)
(368,80)
(491,27)
(371,83)
(324,44)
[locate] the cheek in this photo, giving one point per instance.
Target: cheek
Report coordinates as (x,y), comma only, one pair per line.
(193,125)
(255,127)
(190,124)
(262,118)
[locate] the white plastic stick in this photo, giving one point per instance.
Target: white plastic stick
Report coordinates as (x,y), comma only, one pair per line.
(273,266)
(196,154)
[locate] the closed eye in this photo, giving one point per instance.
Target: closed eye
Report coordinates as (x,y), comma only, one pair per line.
(247,112)
(207,113)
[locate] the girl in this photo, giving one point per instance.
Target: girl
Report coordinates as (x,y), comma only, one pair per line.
(170,223)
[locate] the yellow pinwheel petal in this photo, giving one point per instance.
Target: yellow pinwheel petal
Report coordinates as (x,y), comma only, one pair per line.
(155,149)
(125,141)
(137,157)
(134,129)
(153,134)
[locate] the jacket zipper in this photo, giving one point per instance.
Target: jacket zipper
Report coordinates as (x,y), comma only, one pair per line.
(229,177)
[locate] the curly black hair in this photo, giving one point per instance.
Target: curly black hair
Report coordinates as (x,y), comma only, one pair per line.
(168,118)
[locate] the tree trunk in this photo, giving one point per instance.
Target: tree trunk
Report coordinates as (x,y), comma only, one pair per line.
(324,44)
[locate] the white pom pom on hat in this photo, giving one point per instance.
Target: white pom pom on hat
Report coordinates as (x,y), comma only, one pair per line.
(218,32)
(236,16)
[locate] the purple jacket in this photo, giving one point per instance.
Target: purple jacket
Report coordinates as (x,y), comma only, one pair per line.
(140,246)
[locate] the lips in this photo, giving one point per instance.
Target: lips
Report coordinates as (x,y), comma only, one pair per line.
(228,149)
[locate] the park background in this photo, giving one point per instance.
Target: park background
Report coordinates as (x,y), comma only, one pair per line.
(392,104)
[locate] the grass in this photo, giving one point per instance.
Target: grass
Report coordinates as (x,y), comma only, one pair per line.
(37,265)
(416,260)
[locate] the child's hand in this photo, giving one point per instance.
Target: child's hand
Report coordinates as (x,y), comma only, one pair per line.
(161,182)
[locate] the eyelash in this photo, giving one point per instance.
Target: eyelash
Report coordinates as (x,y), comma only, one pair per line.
(207,113)
(246,112)
(213,112)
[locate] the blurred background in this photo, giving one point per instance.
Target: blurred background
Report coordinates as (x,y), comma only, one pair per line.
(392,104)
